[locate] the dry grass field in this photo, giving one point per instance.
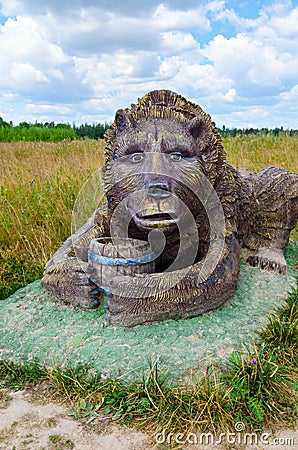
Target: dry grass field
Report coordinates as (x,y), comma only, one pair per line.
(39,185)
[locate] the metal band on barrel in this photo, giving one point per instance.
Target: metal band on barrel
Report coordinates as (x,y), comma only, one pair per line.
(108,261)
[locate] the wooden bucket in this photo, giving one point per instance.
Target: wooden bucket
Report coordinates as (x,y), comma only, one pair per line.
(119,256)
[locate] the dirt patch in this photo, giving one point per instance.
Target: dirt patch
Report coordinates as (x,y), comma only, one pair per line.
(28,424)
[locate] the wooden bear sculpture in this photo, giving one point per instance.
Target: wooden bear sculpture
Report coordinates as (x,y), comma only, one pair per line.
(167,182)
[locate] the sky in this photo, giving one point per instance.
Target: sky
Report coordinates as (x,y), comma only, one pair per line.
(78,61)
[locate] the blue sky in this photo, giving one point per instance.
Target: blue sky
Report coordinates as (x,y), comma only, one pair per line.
(80,60)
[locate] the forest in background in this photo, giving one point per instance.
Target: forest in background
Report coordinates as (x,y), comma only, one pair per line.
(51,132)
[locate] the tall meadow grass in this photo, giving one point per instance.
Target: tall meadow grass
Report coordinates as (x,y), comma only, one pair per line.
(40,183)
(256,151)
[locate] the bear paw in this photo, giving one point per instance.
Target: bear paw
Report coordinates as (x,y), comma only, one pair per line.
(271,259)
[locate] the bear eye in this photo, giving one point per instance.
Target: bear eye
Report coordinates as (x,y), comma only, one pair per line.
(136,157)
(176,156)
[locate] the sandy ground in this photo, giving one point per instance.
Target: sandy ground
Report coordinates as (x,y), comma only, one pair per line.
(28,424)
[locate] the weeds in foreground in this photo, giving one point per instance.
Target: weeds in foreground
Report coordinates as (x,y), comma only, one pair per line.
(281,333)
(258,388)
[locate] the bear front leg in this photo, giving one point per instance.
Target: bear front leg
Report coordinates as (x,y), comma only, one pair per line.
(67,274)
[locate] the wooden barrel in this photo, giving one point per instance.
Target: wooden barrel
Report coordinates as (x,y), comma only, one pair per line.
(118,256)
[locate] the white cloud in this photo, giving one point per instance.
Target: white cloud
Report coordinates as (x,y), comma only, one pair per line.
(105,73)
(21,39)
(24,73)
(248,115)
(230,95)
(170,19)
(169,67)
(202,80)
(26,56)
(70,7)
(175,42)
(286,25)
(261,58)
(223,14)
(11,7)
(215,6)
(46,108)
(97,32)
(289,100)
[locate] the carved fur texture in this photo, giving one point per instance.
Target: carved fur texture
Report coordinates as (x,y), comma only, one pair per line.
(166,173)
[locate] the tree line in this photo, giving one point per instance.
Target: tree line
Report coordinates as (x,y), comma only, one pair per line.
(225,132)
(51,132)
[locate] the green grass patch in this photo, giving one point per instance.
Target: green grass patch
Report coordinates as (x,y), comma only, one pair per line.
(17,271)
(258,388)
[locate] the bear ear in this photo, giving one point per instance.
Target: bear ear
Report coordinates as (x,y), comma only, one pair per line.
(122,120)
(198,127)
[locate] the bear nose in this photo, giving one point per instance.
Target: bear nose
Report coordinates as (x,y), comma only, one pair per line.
(158,190)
